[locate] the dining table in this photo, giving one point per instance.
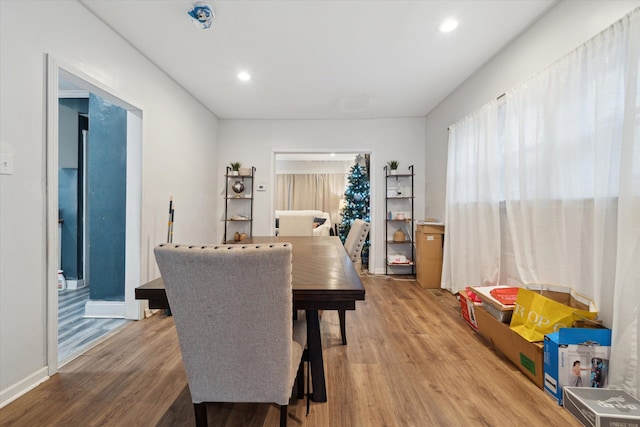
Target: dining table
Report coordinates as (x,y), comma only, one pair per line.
(323,278)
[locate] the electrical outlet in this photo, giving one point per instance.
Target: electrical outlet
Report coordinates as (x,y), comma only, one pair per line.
(6,164)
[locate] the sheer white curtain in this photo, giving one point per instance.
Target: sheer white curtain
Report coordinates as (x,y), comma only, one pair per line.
(625,359)
(570,181)
(311,191)
(564,131)
(472,243)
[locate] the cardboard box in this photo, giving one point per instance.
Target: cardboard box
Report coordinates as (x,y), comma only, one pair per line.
(497,333)
(527,356)
(576,357)
(601,407)
(429,241)
(467,309)
(500,311)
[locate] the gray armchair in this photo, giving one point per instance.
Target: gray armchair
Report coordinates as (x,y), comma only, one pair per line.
(232,306)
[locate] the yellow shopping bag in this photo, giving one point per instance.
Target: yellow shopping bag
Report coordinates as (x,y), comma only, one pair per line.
(539,312)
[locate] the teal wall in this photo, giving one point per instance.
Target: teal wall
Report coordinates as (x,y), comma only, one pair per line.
(70,184)
(106,199)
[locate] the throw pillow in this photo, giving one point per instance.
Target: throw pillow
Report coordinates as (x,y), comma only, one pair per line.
(320,221)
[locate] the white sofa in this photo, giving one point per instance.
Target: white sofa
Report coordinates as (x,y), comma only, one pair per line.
(320,230)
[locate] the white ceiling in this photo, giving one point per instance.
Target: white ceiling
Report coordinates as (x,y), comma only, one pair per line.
(320,59)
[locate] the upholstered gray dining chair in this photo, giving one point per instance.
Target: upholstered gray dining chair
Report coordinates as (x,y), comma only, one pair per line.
(353,245)
(232,308)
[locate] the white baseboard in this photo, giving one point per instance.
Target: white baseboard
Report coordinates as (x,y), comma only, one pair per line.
(104,309)
(75,284)
(13,392)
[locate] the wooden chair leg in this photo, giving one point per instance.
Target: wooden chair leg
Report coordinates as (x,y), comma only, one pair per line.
(300,380)
(343,327)
(283,415)
(200,410)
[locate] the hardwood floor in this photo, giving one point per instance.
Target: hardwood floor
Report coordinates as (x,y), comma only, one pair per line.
(411,361)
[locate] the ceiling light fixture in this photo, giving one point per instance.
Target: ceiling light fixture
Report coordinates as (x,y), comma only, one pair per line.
(244,76)
(448,25)
(202,15)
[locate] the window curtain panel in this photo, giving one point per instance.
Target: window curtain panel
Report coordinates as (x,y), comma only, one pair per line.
(562,169)
(472,243)
(311,191)
(569,168)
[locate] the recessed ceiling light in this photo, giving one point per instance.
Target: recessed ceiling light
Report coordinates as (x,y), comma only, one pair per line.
(448,25)
(244,76)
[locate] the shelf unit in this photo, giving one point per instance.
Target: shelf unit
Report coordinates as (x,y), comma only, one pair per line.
(399,198)
(238,206)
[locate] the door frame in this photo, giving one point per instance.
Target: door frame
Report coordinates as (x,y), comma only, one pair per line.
(323,153)
(133,309)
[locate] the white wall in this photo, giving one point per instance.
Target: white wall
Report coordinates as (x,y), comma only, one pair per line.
(253,142)
(313,167)
(178,158)
(558,32)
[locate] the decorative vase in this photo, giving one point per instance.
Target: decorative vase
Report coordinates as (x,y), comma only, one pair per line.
(238,187)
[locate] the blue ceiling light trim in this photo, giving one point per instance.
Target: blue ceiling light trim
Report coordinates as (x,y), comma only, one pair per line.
(202,15)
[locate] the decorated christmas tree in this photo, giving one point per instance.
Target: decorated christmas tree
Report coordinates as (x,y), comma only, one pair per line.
(356,203)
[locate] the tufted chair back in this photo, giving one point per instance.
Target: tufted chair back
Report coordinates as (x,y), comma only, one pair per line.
(353,245)
(356,238)
(232,306)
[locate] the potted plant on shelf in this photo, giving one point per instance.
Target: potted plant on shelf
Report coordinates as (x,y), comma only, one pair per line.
(393,166)
(235,168)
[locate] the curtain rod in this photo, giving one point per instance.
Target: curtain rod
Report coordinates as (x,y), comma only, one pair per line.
(499,96)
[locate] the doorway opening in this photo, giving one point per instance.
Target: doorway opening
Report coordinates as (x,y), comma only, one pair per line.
(320,181)
(93,212)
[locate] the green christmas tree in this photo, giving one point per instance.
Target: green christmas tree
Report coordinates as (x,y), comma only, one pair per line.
(356,202)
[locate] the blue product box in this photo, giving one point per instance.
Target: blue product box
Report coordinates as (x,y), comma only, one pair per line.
(576,357)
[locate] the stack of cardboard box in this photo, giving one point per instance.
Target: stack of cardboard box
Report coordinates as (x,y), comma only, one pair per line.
(571,365)
(491,319)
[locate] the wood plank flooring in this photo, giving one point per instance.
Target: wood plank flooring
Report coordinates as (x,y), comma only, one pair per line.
(411,361)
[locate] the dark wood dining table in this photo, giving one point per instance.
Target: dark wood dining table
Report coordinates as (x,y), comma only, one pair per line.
(323,278)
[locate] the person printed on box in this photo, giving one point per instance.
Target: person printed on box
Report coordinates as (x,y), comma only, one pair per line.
(596,373)
(576,379)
